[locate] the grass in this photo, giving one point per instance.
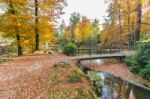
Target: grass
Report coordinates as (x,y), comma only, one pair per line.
(75,76)
(3,60)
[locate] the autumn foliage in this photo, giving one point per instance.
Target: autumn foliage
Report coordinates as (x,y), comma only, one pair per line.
(127,23)
(30,23)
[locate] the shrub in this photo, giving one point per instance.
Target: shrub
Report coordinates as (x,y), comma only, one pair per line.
(146,71)
(140,62)
(93,76)
(96,80)
(70,49)
(80,92)
(143,53)
(132,61)
(75,77)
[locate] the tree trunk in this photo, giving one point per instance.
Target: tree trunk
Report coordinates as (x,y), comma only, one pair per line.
(138,22)
(18,43)
(120,27)
(129,24)
(129,20)
(16,30)
(36,26)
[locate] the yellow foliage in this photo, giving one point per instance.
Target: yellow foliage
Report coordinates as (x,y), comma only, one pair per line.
(146,41)
(26,42)
(19,20)
(84,30)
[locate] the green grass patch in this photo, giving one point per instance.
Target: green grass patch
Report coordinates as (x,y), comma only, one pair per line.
(75,76)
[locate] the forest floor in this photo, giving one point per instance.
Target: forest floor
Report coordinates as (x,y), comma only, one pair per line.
(35,77)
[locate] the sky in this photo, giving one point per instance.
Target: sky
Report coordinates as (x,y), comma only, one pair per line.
(90,8)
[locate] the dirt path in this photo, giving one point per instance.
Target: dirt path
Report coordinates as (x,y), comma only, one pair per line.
(18,67)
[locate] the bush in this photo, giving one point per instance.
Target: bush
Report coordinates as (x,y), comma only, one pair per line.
(132,61)
(75,77)
(140,62)
(70,49)
(146,71)
(96,80)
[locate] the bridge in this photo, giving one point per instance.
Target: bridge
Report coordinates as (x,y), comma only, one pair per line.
(118,55)
(100,50)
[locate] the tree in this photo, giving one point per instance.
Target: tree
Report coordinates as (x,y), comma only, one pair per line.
(138,20)
(46,11)
(95,31)
(83,31)
(31,21)
(61,32)
(112,28)
(126,20)
(36,25)
(61,27)
(74,20)
(13,19)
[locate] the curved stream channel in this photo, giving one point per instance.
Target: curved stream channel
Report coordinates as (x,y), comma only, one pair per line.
(116,88)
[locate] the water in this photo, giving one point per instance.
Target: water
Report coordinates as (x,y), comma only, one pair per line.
(115,88)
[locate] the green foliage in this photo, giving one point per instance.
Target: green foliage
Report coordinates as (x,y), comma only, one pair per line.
(12,48)
(96,80)
(146,71)
(80,92)
(75,77)
(92,92)
(140,62)
(93,76)
(132,61)
(70,49)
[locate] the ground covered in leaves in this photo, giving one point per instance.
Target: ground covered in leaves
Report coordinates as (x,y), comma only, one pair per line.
(40,77)
(52,83)
(52,77)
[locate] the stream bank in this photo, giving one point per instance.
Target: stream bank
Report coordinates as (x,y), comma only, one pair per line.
(118,81)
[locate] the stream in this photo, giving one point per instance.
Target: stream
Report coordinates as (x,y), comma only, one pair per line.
(116,88)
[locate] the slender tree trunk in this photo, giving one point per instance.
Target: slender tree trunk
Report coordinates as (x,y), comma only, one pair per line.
(129,24)
(120,27)
(138,22)
(18,42)
(36,26)
(16,30)
(129,9)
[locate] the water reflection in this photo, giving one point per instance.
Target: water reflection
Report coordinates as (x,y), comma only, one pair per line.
(116,88)
(140,93)
(99,61)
